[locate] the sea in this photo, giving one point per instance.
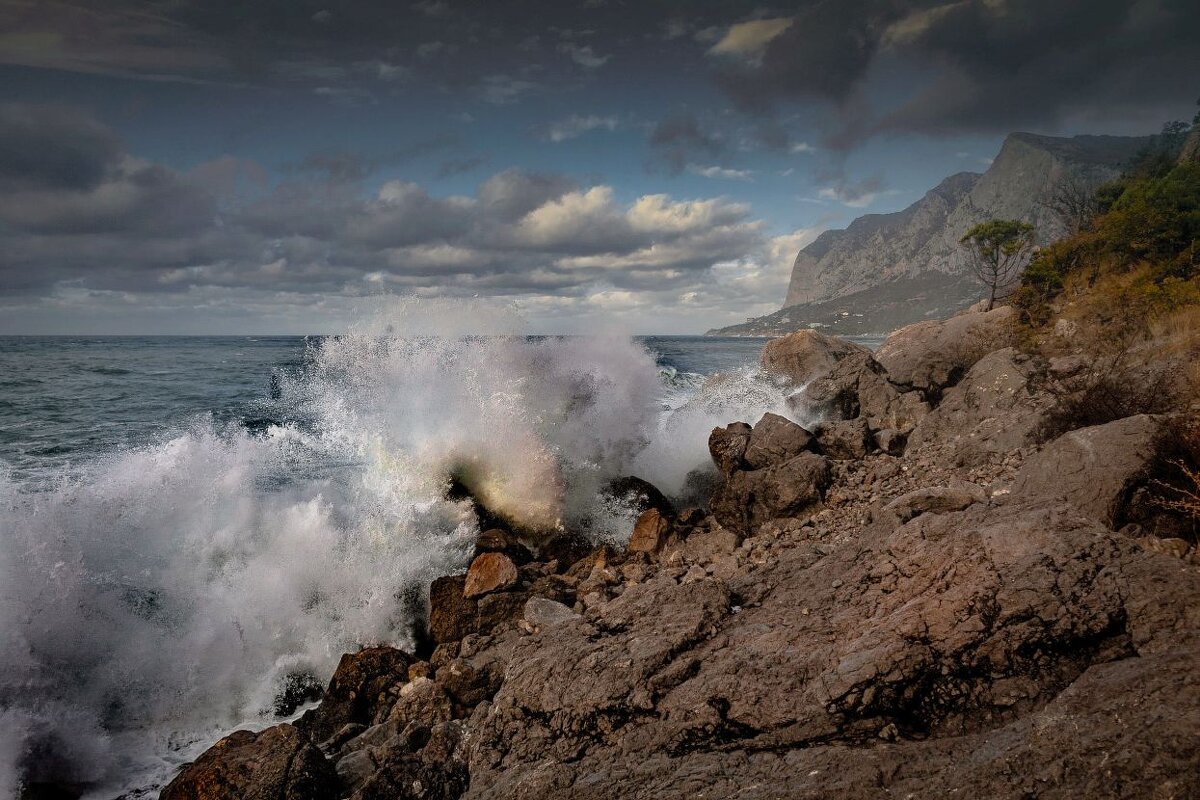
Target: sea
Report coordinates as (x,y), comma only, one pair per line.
(192,526)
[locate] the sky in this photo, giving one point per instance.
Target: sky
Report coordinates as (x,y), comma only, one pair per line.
(232,167)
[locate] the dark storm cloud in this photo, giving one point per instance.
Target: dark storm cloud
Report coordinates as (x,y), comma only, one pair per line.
(53,146)
(972,65)
(139,227)
(681,140)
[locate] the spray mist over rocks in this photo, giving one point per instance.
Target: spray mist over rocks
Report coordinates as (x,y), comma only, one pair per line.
(155,598)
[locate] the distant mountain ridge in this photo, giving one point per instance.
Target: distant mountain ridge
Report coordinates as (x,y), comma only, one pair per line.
(911,261)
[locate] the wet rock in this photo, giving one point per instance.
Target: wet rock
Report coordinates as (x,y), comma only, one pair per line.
(1092,469)
(934,355)
(421,701)
(565,548)
(728,446)
(750,498)
(638,495)
(433,772)
(498,540)
(806,355)
(279,763)
(451,615)
(489,572)
(935,500)
(848,439)
(649,533)
(774,440)
(357,689)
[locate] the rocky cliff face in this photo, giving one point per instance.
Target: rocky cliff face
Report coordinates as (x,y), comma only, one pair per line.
(912,600)
(895,258)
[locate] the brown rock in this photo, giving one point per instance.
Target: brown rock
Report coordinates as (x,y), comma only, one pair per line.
(498,540)
(649,534)
(1091,468)
(993,411)
(934,355)
(728,446)
(774,440)
(935,500)
(750,498)
(357,688)
(451,615)
(848,439)
(279,763)
(489,572)
(806,355)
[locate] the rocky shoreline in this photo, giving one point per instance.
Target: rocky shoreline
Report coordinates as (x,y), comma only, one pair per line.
(918,598)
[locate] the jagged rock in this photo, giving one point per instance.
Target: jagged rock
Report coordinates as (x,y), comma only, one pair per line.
(498,540)
(489,572)
(848,439)
(357,688)
(806,355)
(540,612)
(728,446)
(565,548)
(421,701)
(279,763)
(1092,468)
(934,355)
(649,533)
(431,772)
(750,498)
(992,411)
(451,615)
(935,500)
(858,386)
(774,440)
(891,441)
(478,671)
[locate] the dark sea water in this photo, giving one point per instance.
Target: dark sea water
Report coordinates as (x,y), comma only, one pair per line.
(189,523)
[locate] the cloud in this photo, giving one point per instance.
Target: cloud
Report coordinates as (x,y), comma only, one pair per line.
(680,140)
(855,194)
(970,65)
(749,39)
(583,55)
(721,172)
(504,89)
(52,146)
(576,125)
(137,231)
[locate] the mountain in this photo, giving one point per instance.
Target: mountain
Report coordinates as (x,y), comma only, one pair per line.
(885,270)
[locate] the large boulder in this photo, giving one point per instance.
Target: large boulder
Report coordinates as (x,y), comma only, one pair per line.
(774,440)
(859,387)
(993,411)
(728,446)
(934,355)
(845,440)
(805,355)
(358,687)
(279,763)
(1092,469)
(750,498)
